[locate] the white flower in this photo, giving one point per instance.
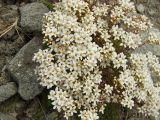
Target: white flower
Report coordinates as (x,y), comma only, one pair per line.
(88,61)
(88,115)
(119,60)
(127,102)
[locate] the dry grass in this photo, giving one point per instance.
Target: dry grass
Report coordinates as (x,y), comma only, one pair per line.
(9,28)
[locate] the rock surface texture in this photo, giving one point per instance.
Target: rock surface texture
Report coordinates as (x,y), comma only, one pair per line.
(6,117)
(8,17)
(31,16)
(7,91)
(151,9)
(155,49)
(22,68)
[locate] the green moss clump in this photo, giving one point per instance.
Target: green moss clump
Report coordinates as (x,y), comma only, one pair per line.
(48,4)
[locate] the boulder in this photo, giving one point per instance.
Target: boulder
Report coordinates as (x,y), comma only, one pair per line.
(7,91)
(31,16)
(21,69)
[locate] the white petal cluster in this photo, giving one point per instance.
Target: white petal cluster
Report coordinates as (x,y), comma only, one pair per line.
(88,115)
(88,60)
(153,38)
(62,101)
(147,93)
(127,39)
(119,60)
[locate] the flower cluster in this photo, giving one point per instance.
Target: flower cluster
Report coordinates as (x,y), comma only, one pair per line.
(89,60)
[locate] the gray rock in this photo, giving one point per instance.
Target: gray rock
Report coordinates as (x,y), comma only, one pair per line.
(7,91)
(4,78)
(9,13)
(13,106)
(155,49)
(140,8)
(31,16)
(6,117)
(152,10)
(22,68)
(8,16)
(52,116)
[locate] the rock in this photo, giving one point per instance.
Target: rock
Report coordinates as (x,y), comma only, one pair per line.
(152,10)
(13,106)
(31,16)
(7,91)
(21,69)
(152,48)
(8,17)
(52,116)
(8,49)
(155,49)
(35,110)
(4,79)
(140,8)
(11,47)
(9,13)
(6,117)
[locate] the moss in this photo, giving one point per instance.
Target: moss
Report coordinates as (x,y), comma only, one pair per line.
(48,4)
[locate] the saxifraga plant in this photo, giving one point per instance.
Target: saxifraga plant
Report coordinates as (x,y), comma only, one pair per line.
(89,60)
